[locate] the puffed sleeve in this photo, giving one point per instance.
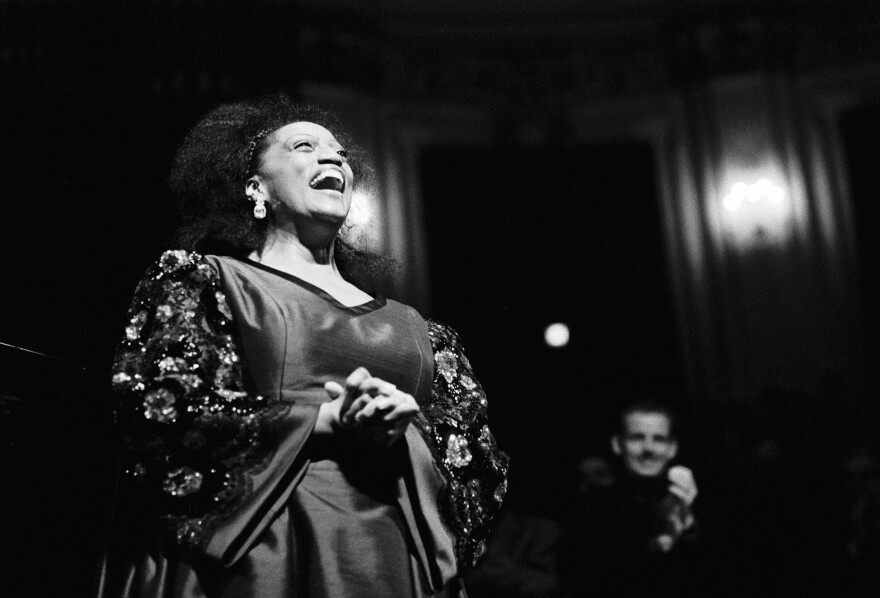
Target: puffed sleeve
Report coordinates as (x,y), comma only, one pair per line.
(455,424)
(193,434)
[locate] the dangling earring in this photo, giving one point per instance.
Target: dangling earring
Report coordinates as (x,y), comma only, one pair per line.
(259,201)
(259,208)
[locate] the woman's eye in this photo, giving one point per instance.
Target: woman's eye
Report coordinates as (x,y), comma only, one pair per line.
(342,153)
(301,144)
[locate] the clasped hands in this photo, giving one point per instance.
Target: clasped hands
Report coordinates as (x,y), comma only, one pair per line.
(368,406)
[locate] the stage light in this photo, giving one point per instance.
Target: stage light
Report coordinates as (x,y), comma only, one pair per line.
(556,335)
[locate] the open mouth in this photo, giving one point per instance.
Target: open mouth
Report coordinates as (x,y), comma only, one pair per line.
(328,180)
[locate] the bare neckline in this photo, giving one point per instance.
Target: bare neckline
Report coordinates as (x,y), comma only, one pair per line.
(373,304)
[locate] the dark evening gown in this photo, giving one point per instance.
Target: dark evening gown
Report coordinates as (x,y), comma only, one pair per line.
(226,492)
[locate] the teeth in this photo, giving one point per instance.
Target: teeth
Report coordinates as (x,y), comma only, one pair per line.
(326,174)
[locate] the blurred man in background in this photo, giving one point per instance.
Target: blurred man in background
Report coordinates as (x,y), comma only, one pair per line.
(636,535)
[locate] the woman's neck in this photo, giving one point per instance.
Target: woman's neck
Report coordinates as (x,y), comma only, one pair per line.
(285,251)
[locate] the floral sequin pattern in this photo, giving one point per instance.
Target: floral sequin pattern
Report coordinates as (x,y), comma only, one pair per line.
(182,481)
(447,365)
(180,381)
(457,453)
(456,426)
(159,406)
(136,322)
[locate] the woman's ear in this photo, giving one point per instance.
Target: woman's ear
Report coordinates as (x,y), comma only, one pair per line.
(254,189)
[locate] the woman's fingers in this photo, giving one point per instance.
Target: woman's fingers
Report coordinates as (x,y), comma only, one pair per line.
(376,387)
(349,393)
(350,414)
(372,408)
(405,410)
(389,409)
(334,389)
(373,402)
(354,380)
(361,382)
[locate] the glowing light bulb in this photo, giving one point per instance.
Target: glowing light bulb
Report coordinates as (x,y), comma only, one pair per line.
(753,193)
(776,195)
(739,189)
(732,203)
(764,186)
(556,335)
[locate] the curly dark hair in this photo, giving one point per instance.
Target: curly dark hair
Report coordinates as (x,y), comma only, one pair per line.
(214,162)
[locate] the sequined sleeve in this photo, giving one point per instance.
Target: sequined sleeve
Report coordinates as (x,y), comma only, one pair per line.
(192,433)
(455,423)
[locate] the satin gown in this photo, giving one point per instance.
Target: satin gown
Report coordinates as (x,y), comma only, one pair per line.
(324,517)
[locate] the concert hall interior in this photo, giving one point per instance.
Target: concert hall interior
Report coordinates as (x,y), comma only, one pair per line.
(686,186)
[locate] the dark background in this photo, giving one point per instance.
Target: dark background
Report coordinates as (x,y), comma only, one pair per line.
(94,96)
(513,237)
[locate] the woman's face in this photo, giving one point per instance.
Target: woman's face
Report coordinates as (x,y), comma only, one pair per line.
(306,176)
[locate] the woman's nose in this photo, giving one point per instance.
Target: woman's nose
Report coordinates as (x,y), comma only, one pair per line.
(329,156)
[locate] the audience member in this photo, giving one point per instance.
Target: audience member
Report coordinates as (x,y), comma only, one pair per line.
(634,534)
